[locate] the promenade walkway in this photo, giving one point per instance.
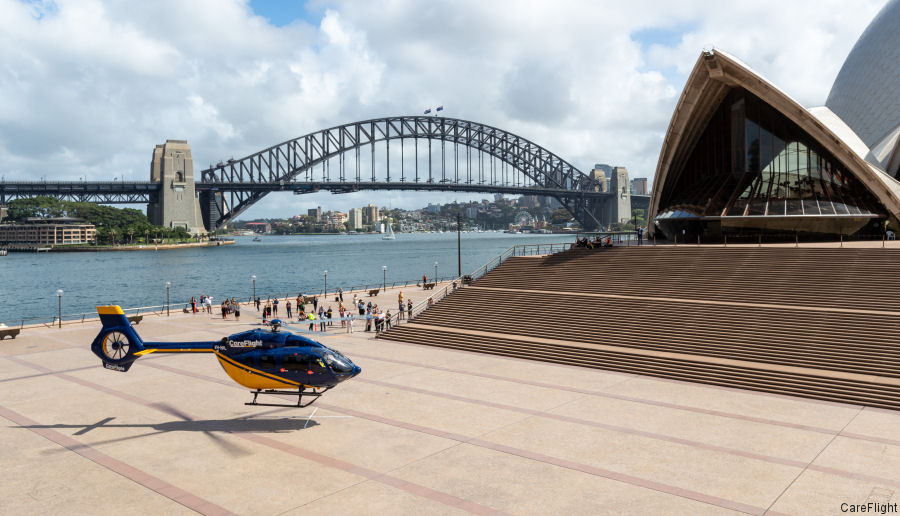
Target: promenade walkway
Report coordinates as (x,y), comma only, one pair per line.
(421,430)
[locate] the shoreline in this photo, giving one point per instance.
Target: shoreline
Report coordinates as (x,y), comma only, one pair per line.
(144,247)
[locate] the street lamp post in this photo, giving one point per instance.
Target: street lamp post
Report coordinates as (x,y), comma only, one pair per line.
(325,288)
(168,284)
(435,272)
(59,294)
(384,277)
(253,278)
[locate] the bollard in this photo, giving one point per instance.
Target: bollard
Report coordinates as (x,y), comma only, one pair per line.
(698,240)
(726,238)
(759,244)
(796,240)
(842,240)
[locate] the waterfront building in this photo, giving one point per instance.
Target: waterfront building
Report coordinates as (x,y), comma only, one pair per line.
(741,157)
(315,213)
(370,214)
(259,227)
(49,232)
(355,218)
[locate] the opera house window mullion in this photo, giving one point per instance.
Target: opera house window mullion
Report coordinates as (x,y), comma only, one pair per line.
(753,171)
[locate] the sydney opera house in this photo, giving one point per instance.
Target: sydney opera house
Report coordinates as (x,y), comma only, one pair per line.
(742,158)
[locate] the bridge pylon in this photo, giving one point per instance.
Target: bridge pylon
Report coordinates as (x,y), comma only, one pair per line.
(177,205)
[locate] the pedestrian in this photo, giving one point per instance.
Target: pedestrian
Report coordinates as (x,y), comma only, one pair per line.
(288,308)
(315,303)
(424,280)
(349,322)
(193,305)
(354,299)
(341,313)
(401,308)
(409,308)
(640,235)
(224,308)
(321,317)
(311,317)
(361,307)
(368,319)
(237,311)
(341,294)
(257,303)
(328,315)
(387,320)
(275,307)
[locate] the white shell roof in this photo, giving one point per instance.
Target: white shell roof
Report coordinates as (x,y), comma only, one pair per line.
(866,93)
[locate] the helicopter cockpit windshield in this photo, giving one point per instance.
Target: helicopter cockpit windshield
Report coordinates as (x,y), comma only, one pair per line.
(338,362)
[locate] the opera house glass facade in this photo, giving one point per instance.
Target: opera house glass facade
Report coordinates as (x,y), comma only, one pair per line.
(753,170)
(741,158)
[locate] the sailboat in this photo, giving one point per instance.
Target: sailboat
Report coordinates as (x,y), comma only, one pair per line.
(390,231)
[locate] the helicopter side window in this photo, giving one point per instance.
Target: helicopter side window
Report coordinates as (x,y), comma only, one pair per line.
(245,359)
(267,362)
(294,362)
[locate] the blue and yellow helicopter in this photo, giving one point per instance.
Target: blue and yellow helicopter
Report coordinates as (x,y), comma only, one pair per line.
(265,361)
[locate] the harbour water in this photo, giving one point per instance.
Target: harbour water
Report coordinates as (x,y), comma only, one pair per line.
(282,265)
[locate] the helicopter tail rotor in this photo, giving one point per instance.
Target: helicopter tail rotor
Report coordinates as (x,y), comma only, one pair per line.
(117,342)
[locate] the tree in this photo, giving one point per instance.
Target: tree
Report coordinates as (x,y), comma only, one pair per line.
(560,216)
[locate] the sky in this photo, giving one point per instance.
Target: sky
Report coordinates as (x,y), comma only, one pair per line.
(89,87)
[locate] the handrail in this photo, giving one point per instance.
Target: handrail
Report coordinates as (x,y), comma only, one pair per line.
(493,263)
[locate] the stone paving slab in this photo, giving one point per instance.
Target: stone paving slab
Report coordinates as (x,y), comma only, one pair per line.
(420,430)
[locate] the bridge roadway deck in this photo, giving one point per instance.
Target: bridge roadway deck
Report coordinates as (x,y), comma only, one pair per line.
(421,430)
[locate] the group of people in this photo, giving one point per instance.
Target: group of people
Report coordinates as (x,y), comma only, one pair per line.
(205,304)
(318,316)
(596,243)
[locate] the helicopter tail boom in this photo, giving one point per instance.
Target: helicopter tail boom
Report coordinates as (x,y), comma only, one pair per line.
(117,343)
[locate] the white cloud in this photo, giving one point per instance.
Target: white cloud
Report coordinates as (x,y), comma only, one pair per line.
(89,87)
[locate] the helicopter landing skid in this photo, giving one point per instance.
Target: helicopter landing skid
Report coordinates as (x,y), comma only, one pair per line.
(299,394)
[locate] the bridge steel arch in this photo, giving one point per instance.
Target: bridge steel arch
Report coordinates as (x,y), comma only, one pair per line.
(542,171)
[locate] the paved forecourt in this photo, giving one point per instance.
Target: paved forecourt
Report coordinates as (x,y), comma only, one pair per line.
(421,429)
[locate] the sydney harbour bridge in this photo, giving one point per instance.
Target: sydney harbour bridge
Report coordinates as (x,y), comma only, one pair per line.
(419,153)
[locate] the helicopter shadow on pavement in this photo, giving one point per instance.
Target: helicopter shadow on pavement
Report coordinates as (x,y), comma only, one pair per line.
(213,428)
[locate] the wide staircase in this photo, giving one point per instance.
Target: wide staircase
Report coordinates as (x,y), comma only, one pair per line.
(822,323)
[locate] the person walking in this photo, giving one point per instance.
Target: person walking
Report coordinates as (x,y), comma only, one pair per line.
(257,303)
(315,303)
(288,308)
(275,307)
(341,294)
(237,310)
(409,309)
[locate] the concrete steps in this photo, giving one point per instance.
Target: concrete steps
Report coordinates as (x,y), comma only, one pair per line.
(711,315)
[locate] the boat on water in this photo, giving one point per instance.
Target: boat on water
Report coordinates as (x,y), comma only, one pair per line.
(3,252)
(256,239)
(390,233)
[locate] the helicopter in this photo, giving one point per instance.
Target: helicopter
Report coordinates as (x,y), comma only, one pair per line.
(266,361)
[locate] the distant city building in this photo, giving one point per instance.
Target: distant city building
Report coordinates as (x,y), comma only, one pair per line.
(639,186)
(471,212)
(315,213)
(433,208)
(49,232)
(356,218)
(370,214)
(498,197)
(601,173)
